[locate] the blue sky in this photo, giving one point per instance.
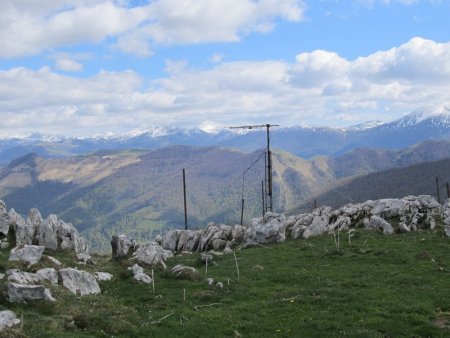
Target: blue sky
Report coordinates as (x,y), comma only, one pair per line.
(84,67)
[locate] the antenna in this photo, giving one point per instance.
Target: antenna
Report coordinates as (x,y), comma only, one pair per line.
(268,166)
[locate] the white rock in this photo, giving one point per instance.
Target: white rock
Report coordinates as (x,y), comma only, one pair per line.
(8,319)
(377,222)
(79,281)
(85,258)
(30,254)
(139,274)
(54,261)
(210,281)
(103,276)
(48,274)
(18,293)
(152,254)
(179,269)
(447,231)
(22,277)
(219,285)
(122,246)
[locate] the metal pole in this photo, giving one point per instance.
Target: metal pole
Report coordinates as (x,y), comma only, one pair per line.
(242,212)
(437,190)
(269,168)
(315,204)
(265,183)
(448,191)
(262,195)
(185,206)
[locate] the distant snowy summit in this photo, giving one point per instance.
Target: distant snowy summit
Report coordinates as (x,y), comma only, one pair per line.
(439,117)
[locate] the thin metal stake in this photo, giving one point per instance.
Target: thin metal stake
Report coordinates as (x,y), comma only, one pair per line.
(185,205)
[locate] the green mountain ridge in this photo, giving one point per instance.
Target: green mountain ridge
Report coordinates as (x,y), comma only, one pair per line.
(140,192)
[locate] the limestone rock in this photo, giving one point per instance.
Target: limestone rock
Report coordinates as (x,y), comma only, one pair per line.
(85,258)
(4,219)
(139,274)
(21,293)
(79,281)
(152,254)
(54,261)
(48,274)
(180,270)
(29,254)
(377,222)
(269,229)
(46,234)
(206,257)
(122,246)
(8,319)
(447,231)
(24,232)
(2,276)
(22,277)
(103,276)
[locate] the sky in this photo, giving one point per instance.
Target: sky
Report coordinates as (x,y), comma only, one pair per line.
(89,67)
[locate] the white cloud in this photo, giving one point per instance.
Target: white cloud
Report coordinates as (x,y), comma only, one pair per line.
(318,88)
(69,65)
(30,27)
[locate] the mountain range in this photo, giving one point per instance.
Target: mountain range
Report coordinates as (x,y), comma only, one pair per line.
(302,141)
(140,191)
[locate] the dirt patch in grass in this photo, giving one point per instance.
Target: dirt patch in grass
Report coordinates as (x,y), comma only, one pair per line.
(442,320)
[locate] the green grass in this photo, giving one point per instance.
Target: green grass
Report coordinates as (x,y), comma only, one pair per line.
(395,286)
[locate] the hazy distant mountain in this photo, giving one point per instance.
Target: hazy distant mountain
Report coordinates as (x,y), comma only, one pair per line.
(418,179)
(140,191)
(301,141)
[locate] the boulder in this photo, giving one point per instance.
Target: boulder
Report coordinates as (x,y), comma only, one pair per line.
(170,240)
(54,260)
(122,246)
(79,281)
(8,319)
(84,258)
(46,233)
(447,231)
(318,226)
(269,229)
(18,293)
(48,274)
(4,220)
(23,231)
(152,254)
(29,254)
(376,222)
(180,270)
(22,277)
(139,275)
(103,276)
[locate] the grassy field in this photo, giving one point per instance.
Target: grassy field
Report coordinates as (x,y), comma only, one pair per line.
(375,286)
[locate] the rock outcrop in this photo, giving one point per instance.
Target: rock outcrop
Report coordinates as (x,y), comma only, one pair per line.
(51,233)
(122,246)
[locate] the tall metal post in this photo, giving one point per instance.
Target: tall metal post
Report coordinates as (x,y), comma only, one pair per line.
(268,164)
(242,211)
(184,193)
(269,169)
(448,191)
(263,200)
(437,191)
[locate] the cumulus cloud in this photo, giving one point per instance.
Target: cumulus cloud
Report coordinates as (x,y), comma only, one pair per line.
(28,27)
(319,88)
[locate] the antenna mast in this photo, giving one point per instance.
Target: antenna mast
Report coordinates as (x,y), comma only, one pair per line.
(268,166)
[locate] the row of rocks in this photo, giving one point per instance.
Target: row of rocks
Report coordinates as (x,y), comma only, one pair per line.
(51,233)
(388,215)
